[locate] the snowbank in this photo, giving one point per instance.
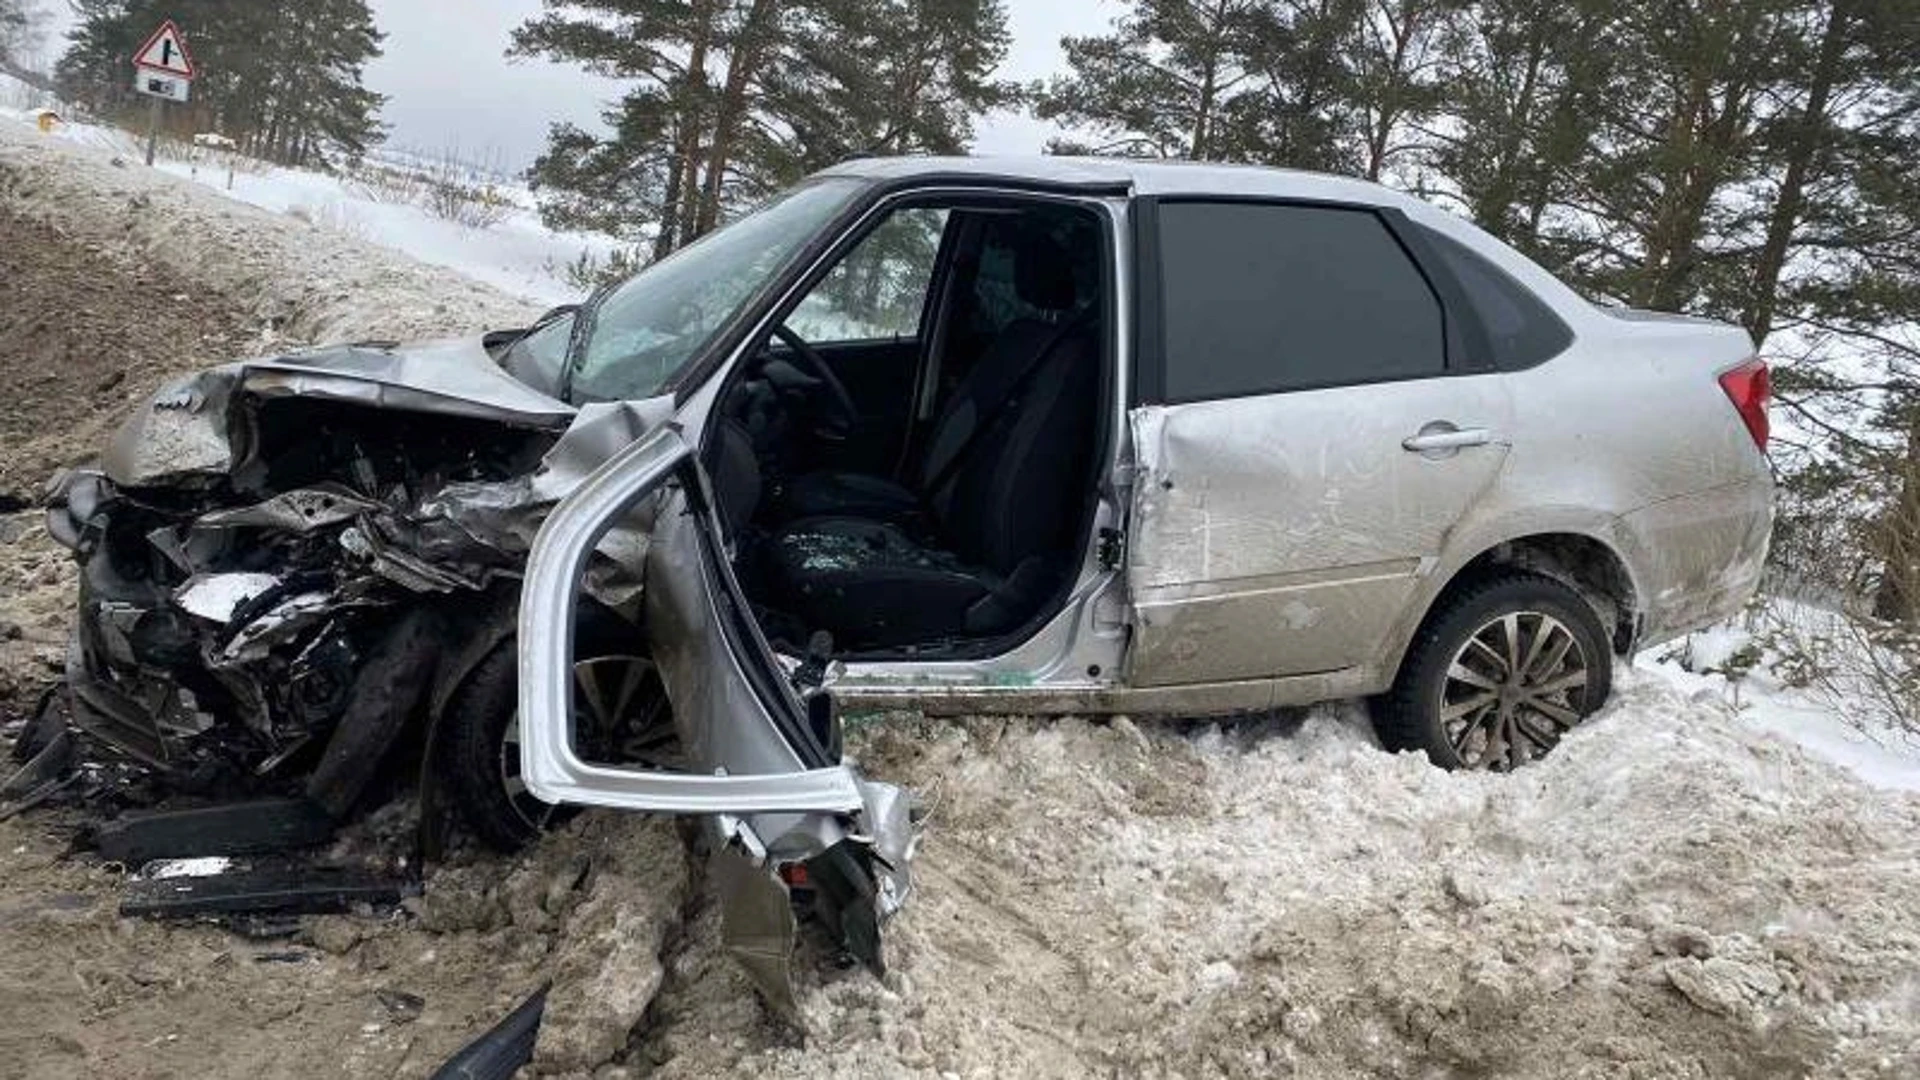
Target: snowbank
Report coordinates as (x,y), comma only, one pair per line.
(1668,894)
(517,255)
(302,282)
(1803,673)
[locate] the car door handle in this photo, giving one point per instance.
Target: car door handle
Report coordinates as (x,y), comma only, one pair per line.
(1445,437)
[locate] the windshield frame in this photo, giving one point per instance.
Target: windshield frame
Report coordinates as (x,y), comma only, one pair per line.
(722,338)
(874,189)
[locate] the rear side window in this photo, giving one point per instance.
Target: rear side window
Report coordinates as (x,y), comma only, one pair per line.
(1521,328)
(1260,298)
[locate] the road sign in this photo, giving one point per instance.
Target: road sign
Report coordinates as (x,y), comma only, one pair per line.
(169,87)
(166,52)
(163,71)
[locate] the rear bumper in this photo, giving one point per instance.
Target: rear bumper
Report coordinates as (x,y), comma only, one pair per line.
(1699,557)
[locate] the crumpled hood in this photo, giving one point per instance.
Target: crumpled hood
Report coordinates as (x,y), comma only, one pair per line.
(183,429)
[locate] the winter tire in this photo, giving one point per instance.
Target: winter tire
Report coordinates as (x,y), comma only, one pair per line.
(1497,673)
(624,717)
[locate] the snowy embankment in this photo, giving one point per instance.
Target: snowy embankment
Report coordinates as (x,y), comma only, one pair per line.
(1805,674)
(514,253)
(304,283)
(1676,891)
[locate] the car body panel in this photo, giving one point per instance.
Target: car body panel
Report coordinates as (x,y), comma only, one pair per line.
(702,673)
(771,791)
(1590,442)
(183,429)
(1279,534)
(1701,555)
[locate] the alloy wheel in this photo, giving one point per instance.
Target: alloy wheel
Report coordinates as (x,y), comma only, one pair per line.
(622,717)
(1513,689)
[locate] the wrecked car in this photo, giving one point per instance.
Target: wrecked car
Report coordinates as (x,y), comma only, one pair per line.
(955,435)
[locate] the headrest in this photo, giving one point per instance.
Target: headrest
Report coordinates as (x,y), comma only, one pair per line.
(1043,272)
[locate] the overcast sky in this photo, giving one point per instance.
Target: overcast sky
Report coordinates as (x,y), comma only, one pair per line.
(449,84)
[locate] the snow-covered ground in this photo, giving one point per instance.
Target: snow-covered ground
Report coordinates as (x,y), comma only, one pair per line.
(517,254)
(1798,672)
(1713,877)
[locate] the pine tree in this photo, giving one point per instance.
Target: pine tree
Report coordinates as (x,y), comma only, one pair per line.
(1265,81)
(732,99)
(1523,80)
(16,20)
(1310,110)
(1397,76)
(885,77)
(1162,84)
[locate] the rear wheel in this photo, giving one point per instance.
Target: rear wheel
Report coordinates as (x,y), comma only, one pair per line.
(623,717)
(1497,674)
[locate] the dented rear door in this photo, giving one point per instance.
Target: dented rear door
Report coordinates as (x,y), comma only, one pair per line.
(1312,429)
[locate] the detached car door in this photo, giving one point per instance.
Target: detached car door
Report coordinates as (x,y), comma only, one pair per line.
(768,776)
(1310,426)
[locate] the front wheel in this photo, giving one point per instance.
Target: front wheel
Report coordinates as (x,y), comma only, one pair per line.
(623,717)
(1497,674)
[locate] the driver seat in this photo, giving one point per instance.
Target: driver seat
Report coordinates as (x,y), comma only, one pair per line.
(1002,539)
(1010,457)
(1043,279)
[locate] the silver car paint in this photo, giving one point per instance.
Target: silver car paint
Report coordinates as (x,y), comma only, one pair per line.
(1625,438)
(1574,448)
(762,804)
(1280,534)
(703,675)
(182,429)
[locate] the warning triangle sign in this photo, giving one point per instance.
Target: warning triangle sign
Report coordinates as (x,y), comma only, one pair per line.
(165,51)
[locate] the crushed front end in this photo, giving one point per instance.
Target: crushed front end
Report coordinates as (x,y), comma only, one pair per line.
(288,565)
(246,546)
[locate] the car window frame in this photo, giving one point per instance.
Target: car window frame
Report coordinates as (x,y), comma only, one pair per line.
(1564,331)
(829,244)
(929,296)
(1465,342)
(954,194)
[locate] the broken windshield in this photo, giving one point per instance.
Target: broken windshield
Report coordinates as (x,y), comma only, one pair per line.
(642,331)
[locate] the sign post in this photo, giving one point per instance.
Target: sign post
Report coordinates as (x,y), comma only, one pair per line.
(163,71)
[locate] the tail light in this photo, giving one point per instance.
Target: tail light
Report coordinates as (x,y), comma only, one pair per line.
(1748,387)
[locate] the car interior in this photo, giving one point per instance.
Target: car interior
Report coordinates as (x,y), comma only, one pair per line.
(906,463)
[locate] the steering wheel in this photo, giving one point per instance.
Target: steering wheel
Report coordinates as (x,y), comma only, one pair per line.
(842,414)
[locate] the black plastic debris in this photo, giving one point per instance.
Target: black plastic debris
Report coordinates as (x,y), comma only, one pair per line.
(499,1053)
(44,749)
(402,1007)
(306,890)
(238,828)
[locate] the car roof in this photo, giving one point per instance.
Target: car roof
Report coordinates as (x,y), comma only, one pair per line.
(1157,176)
(1139,177)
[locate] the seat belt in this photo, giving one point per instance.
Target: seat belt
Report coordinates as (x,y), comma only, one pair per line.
(1014,391)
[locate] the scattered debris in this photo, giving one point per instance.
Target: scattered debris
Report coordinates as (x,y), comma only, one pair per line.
(503,1049)
(235,828)
(607,964)
(300,889)
(199,866)
(402,1007)
(334,934)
